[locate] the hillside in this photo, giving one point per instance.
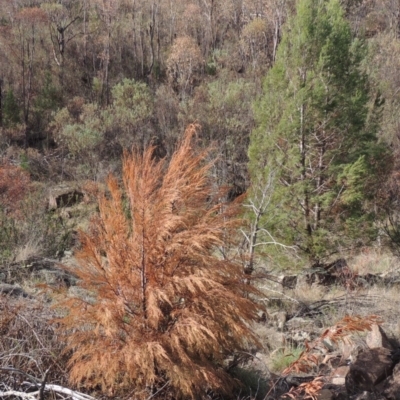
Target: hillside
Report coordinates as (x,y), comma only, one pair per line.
(294,143)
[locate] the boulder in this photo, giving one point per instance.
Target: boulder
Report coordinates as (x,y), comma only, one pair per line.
(12,290)
(288,281)
(371,367)
(337,267)
(37,268)
(391,386)
(64,196)
(338,376)
(367,280)
(348,349)
(376,337)
(325,394)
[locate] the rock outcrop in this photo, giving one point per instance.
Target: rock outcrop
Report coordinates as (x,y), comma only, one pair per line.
(370,368)
(373,373)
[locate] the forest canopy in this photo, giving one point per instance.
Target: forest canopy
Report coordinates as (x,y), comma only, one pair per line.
(82,81)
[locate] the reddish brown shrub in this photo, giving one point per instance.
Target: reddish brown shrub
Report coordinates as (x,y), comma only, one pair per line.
(160,309)
(14,185)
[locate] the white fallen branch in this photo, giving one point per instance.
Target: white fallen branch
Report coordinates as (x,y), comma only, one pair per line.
(30,396)
(49,387)
(75,395)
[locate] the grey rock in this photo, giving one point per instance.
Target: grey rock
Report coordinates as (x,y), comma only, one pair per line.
(325,394)
(391,386)
(377,338)
(64,196)
(371,367)
(12,290)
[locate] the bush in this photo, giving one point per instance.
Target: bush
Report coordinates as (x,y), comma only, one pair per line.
(160,309)
(285,357)
(14,185)
(28,344)
(25,220)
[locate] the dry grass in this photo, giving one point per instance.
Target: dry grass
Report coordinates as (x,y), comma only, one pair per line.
(309,293)
(28,343)
(30,249)
(339,301)
(283,357)
(386,303)
(374,261)
(371,299)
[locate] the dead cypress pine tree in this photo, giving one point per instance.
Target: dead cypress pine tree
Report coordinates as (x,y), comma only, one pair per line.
(162,309)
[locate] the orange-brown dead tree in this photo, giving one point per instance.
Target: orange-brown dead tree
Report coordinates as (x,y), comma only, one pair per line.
(15,184)
(160,309)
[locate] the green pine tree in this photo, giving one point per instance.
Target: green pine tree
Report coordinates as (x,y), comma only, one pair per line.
(11,110)
(316,135)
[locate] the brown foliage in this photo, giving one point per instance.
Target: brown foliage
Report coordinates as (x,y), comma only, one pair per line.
(32,15)
(161,309)
(339,332)
(306,390)
(184,61)
(14,185)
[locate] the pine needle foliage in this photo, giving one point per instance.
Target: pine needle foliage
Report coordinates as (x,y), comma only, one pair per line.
(161,308)
(340,332)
